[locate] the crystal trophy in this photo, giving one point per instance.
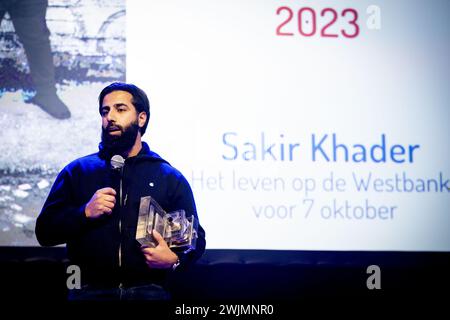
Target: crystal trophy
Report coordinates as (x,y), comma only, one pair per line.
(179,231)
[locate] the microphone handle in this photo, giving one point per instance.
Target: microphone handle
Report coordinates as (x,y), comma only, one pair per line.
(120,187)
(114,180)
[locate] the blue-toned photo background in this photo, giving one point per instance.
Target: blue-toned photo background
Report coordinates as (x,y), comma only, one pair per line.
(88,47)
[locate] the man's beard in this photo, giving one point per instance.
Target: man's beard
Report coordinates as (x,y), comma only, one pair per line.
(121,144)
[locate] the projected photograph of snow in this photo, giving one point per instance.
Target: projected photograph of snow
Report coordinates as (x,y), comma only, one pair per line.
(87,41)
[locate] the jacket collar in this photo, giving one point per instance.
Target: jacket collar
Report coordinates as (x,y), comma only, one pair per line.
(144,153)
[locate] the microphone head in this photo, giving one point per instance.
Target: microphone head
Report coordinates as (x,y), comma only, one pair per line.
(117,162)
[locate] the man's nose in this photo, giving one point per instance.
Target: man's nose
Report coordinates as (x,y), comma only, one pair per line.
(110,117)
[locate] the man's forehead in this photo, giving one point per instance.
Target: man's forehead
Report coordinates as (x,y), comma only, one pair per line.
(117,97)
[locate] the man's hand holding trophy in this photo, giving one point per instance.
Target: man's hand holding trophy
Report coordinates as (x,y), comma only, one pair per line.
(157,228)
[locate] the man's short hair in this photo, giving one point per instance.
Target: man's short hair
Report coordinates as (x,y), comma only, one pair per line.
(140,99)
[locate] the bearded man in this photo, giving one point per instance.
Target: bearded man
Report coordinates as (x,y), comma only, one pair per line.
(98,224)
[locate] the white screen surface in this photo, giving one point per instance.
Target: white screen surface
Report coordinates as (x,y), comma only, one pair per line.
(330,134)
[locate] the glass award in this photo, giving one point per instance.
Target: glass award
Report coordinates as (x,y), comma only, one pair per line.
(179,231)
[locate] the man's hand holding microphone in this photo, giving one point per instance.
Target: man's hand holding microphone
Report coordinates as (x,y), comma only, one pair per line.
(101,203)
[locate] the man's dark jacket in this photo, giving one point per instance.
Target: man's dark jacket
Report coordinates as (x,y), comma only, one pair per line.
(93,244)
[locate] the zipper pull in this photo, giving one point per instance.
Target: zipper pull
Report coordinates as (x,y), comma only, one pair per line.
(125,201)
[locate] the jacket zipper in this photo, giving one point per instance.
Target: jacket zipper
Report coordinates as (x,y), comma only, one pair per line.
(120,225)
(120,244)
(122,203)
(120,234)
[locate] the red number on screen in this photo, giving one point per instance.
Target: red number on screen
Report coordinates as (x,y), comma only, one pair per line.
(307,17)
(352,23)
(279,32)
(333,20)
(300,22)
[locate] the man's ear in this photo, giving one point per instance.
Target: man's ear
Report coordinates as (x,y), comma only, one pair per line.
(142,118)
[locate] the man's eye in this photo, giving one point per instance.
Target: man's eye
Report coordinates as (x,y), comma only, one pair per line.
(121,109)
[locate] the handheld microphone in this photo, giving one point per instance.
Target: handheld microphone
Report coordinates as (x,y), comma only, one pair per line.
(117,164)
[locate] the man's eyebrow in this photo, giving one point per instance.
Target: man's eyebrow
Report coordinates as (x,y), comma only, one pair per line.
(117,105)
(120,104)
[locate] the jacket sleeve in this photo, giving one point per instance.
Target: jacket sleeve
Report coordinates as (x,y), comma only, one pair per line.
(184,199)
(60,219)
